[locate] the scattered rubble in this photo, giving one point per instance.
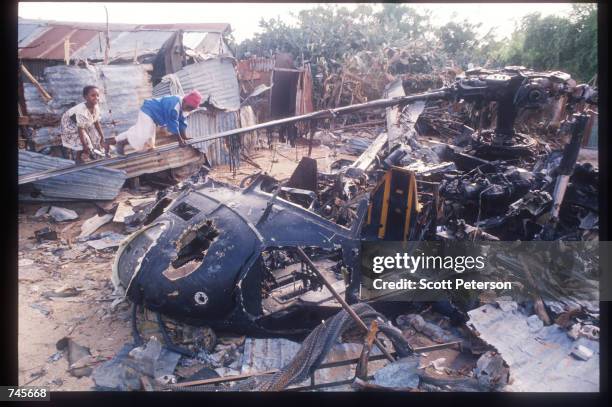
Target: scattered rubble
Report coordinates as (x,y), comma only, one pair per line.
(79,357)
(61,214)
(401,373)
(243,308)
(556,369)
(93,224)
(45,234)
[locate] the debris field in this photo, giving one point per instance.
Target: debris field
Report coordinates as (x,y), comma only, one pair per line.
(234,264)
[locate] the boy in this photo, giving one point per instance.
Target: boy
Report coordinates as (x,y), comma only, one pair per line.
(166,111)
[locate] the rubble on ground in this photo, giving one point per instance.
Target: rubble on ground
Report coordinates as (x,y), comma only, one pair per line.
(461,183)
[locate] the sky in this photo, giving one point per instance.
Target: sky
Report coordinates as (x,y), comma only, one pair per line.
(244,17)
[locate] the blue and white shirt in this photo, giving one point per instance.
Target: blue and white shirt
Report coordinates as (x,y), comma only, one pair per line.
(166,111)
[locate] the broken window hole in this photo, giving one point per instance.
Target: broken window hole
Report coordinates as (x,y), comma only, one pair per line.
(185,211)
(194,243)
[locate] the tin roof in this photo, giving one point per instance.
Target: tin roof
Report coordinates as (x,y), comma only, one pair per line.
(40,39)
(50,43)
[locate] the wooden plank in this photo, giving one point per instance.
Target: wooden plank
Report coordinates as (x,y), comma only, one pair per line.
(32,79)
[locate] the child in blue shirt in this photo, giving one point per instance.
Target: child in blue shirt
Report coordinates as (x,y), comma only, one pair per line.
(166,111)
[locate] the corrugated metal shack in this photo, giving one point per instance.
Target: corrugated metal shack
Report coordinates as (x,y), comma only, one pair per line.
(205,63)
(51,51)
(123,89)
(45,43)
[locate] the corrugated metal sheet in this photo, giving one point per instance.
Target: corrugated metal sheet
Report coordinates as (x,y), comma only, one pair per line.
(275,353)
(26,32)
(50,44)
(161,161)
(202,123)
(204,27)
(539,359)
(213,77)
(46,137)
(123,90)
(35,105)
(91,184)
(124,45)
(247,68)
(94,49)
(37,68)
(251,74)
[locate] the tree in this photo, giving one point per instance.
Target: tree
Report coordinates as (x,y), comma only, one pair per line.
(459,41)
(556,43)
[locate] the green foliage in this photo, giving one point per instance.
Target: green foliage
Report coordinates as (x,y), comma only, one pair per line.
(328,36)
(562,43)
(459,41)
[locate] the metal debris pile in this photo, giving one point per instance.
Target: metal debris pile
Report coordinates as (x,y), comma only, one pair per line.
(210,268)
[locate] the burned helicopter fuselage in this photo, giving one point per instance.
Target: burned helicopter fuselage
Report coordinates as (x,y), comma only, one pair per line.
(211,258)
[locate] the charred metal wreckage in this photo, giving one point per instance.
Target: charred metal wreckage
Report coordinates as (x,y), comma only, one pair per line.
(228,257)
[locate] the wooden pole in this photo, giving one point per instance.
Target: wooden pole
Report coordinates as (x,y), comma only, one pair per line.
(107,48)
(32,79)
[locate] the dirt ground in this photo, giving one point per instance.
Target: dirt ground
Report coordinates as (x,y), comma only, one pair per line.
(86,317)
(280,162)
(65,265)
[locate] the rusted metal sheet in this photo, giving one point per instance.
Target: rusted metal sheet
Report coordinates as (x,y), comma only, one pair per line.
(50,44)
(251,69)
(251,74)
(163,160)
(303,98)
(39,39)
(290,87)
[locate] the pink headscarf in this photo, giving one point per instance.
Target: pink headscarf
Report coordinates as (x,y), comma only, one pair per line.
(193,99)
